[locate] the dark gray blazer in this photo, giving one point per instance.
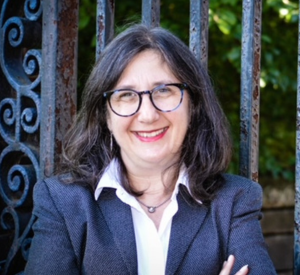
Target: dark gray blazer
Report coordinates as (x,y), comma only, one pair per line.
(74,234)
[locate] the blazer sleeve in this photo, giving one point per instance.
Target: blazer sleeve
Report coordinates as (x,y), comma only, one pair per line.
(51,250)
(246,241)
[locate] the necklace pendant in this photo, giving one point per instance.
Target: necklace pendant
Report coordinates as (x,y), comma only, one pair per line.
(151,209)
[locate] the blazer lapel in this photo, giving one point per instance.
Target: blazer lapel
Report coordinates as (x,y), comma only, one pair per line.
(119,220)
(185,225)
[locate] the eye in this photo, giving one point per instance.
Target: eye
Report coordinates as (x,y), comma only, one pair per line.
(124,95)
(163,91)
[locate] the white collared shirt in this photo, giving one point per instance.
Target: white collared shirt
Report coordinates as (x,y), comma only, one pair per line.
(152,244)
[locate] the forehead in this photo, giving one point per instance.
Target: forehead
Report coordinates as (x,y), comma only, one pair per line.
(148,67)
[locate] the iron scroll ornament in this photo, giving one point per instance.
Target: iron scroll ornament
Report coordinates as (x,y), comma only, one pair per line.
(20,60)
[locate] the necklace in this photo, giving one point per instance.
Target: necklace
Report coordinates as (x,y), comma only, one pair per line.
(152,209)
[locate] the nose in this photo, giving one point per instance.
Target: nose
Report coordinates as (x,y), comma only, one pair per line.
(147,112)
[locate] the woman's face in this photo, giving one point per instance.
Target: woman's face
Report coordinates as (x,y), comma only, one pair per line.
(149,138)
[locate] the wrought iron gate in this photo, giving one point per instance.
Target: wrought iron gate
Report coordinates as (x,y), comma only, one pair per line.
(38,79)
(38,55)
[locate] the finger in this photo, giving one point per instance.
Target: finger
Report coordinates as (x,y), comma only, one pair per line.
(227,266)
(243,271)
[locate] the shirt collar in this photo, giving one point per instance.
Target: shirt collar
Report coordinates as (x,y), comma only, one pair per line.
(110,179)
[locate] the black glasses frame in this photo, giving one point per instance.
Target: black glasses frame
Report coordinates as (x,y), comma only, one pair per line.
(181,86)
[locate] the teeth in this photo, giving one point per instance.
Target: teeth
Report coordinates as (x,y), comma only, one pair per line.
(152,134)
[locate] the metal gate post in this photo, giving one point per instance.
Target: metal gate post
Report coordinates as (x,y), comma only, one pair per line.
(59,78)
(199,25)
(105,24)
(250,88)
(151,12)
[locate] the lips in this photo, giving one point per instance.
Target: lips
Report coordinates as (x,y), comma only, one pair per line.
(151,135)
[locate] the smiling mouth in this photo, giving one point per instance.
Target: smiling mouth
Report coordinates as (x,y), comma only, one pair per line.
(151,134)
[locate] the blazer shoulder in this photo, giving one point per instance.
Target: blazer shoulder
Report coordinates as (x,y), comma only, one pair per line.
(237,189)
(237,184)
(57,184)
(61,193)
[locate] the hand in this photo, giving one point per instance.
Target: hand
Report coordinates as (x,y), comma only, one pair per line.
(228,265)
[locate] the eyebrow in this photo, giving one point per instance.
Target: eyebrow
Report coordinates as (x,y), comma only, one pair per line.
(155,84)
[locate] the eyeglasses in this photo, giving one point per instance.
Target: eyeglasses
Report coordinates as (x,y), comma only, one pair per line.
(127,102)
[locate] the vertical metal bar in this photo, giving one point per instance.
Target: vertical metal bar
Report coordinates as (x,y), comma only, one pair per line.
(59,77)
(151,13)
(297,191)
(199,24)
(105,24)
(250,88)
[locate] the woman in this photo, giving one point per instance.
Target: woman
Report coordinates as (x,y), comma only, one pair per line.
(145,191)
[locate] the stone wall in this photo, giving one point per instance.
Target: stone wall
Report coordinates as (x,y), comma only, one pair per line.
(278,225)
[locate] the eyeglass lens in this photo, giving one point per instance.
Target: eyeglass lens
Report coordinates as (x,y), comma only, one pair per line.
(126,102)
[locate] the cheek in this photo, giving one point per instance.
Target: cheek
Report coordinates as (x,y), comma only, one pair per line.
(187,106)
(118,126)
(109,118)
(108,122)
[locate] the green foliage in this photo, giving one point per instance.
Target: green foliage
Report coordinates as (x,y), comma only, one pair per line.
(278,66)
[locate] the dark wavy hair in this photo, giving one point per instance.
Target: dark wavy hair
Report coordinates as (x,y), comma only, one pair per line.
(206,150)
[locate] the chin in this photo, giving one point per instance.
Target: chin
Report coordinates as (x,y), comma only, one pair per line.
(158,159)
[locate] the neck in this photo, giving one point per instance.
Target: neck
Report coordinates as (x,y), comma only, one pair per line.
(154,184)
(157,187)
(149,170)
